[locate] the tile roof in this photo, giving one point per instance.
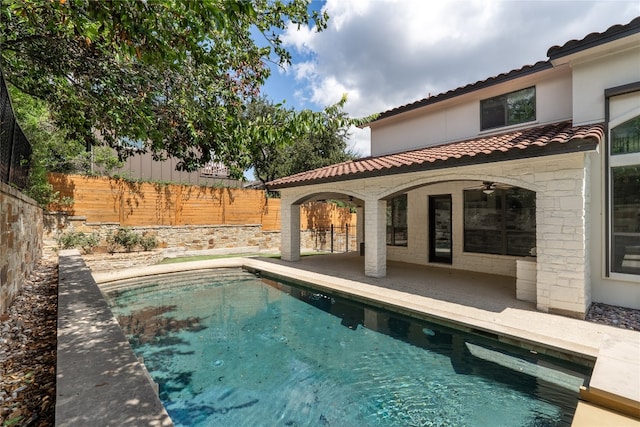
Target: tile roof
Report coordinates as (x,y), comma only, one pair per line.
(522,143)
(594,39)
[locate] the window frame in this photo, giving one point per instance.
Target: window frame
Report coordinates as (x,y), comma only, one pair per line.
(506,123)
(393,228)
(614,161)
(502,230)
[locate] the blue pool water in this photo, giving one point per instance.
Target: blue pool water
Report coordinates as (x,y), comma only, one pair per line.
(232,349)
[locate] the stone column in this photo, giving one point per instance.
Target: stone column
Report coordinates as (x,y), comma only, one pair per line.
(290,231)
(562,283)
(375,254)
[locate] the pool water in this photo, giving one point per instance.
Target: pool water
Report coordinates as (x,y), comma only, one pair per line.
(232,349)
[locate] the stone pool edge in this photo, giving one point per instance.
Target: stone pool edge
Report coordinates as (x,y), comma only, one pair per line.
(99,381)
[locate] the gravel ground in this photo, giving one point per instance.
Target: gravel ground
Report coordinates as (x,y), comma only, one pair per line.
(28,347)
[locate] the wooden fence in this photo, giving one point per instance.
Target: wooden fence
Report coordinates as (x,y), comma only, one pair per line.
(114,200)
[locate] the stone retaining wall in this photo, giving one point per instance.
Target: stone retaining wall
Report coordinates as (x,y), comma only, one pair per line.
(194,238)
(21,223)
(188,237)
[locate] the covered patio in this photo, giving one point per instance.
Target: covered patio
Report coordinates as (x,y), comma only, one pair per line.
(488,292)
(538,175)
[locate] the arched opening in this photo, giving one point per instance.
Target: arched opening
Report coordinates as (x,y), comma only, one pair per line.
(323,222)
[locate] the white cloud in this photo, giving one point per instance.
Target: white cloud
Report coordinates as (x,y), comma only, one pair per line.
(386,53)
(299,37)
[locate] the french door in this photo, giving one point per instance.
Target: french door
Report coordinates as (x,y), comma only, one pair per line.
(440,242)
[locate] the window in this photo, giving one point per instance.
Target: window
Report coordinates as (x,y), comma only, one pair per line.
(440,229)
(625,197)
(625,138)
(503,222)
(510,109)
(397,221)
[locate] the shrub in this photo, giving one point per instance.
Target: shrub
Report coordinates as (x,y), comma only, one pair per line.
(124,237)
(128,240)
(148,242)
(78,239)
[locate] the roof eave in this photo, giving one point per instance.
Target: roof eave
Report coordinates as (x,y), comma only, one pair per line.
(594,40)
(574,146)
(473,87)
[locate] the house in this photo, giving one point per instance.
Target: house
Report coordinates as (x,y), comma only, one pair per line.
(533,174)
(143,166)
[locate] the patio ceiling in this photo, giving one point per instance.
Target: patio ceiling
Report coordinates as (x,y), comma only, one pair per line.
(544,140)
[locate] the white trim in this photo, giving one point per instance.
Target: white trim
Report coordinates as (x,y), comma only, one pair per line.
(506,128)
(618,161)
(629,115)
(622,160)
(624,277)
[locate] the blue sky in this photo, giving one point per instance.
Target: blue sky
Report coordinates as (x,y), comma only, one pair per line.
(386,53)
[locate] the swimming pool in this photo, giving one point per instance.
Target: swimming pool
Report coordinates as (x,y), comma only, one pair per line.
(229,348)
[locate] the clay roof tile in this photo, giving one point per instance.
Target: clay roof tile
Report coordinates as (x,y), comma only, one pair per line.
(535,141)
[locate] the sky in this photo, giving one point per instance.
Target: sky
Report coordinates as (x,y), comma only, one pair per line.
(387,53)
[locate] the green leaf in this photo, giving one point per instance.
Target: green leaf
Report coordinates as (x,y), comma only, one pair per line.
(13,421)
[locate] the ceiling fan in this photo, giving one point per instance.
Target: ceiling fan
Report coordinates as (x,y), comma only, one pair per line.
(488,187)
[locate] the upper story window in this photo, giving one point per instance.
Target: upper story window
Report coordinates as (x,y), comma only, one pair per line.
(509,109)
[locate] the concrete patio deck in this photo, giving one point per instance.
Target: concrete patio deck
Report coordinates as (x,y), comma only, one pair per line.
(473,301)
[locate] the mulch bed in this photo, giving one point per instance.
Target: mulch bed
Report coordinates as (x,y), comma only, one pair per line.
(28,351)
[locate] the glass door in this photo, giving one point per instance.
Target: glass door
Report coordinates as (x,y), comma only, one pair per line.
(440,229)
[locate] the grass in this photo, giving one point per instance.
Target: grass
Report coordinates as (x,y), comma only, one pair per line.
(208,257)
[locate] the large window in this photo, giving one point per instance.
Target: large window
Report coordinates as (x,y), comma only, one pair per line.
(397,221)
(509,109)
(502,222)
(625,197)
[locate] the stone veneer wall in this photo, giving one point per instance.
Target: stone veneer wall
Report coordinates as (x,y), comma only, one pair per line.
(200,237)
(21,225)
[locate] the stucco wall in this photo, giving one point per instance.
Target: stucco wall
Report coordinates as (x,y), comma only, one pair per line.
(20,241)
(591,78)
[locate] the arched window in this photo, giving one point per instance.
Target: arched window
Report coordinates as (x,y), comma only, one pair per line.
(625,197)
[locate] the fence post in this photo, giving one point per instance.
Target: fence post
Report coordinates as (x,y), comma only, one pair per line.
(346,242)
(331,238)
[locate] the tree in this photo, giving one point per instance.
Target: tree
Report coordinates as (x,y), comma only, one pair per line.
(173,76)
(53,149)
(325,144)
(306,140)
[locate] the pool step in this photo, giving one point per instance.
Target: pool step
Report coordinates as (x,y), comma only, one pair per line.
(590,415)
(615,381)
(181,278)
(610,401)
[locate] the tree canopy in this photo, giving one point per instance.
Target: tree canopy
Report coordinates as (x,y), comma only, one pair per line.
(317,138)
(172,77)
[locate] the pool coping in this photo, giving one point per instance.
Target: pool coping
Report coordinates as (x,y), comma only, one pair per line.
(99,381)
(614,352)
